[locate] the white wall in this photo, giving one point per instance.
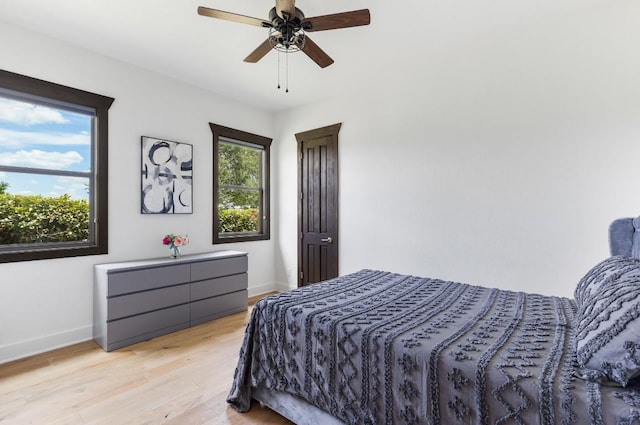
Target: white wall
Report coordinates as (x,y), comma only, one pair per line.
(48,303)
(500,163)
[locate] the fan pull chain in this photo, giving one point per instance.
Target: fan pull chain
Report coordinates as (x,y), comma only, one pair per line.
(286,72)
(278,69)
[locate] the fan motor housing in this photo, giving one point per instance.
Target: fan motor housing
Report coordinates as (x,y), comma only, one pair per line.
(282,24)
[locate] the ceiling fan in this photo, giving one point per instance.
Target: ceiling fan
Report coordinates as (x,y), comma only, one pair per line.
(288,25)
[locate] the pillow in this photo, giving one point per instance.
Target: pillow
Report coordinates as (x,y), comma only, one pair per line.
(635,244)
(608,329)
(602,274)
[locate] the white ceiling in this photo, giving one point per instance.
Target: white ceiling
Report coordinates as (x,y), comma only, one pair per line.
(170,38)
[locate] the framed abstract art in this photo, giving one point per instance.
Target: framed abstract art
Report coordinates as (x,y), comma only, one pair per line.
(167,177)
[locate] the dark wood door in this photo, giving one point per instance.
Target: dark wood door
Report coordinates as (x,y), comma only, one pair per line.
(318,204)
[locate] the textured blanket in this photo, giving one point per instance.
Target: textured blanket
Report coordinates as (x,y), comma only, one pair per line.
(375,347)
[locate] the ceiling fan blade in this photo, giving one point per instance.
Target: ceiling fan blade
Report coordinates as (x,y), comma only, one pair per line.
(228,16)
(316,54)
(259,52)
(286,6)
(355,18)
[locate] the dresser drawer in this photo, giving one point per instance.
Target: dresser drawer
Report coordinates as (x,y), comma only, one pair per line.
(222,285)
(124,282)
(216,268)
(212,308)
(142,302)
(138,326)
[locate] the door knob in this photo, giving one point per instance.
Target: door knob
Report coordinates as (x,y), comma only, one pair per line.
(328,240)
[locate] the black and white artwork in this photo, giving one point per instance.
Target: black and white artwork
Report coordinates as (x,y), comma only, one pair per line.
(167,177)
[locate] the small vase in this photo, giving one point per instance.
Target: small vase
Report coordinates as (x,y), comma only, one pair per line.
(174,252)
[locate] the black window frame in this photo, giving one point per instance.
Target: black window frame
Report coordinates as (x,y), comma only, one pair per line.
(244,138)
(28,88)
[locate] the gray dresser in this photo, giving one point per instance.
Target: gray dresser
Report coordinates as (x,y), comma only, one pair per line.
(138,300)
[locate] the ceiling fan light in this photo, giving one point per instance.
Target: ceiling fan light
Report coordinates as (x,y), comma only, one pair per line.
(286,43)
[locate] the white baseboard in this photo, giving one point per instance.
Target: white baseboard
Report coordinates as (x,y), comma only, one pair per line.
(263,289)
(30,347)
(284,287)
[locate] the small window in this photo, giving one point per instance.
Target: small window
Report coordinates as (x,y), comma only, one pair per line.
(240,186)
(53,168)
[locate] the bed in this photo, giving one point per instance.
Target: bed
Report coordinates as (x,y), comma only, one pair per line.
(376,347)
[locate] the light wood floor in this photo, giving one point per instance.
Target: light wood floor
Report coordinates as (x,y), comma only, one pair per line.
(180,378)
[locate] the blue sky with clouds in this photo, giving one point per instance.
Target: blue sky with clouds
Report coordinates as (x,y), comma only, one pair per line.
(37,136)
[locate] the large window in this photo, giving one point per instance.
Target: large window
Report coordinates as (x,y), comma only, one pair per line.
(240,185)
(53,170)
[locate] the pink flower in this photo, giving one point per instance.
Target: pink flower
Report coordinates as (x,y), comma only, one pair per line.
(175,240)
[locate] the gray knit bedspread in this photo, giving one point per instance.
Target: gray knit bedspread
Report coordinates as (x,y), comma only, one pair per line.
(375,347)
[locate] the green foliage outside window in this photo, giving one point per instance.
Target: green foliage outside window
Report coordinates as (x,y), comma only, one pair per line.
(245,220)
(38,219)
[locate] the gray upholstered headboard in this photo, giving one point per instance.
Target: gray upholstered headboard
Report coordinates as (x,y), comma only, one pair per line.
(624,237)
